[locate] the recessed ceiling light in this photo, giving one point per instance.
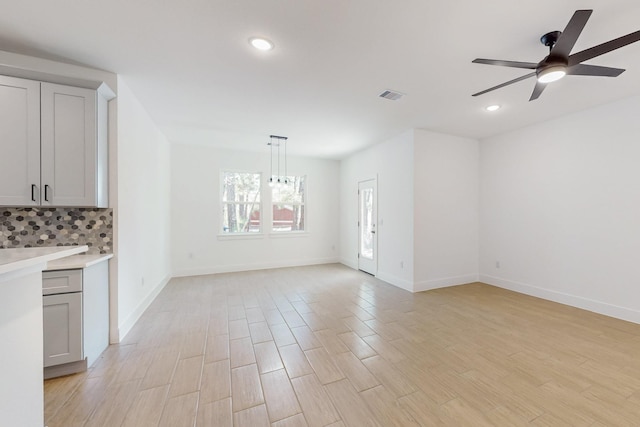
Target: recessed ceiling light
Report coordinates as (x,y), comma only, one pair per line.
(261,43)
(495,107)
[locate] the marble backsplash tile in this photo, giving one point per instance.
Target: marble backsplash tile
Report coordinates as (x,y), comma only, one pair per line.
(45,227)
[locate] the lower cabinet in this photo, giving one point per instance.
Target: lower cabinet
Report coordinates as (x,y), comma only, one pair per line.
(75,318)
(62,315)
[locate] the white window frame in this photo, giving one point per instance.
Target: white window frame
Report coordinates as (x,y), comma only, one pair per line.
(244,234)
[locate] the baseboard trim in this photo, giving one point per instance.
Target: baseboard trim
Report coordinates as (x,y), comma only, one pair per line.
(395,281)
(588,304)
(445,282)
(251,267)
(125,327)
(65,369)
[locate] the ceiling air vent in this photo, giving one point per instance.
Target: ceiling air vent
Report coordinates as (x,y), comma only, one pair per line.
(389,94)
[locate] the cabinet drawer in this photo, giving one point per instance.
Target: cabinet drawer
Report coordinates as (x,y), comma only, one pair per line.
(60,282)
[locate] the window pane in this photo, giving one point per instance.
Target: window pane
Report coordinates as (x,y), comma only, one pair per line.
(241,217)
(240,187)
(292,192)
(288,217)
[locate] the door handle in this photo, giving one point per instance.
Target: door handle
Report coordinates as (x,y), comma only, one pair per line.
(46,193)
(33,192)
(373,231)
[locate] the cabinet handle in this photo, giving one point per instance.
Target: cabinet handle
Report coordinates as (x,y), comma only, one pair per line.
(33,192)
(46,193)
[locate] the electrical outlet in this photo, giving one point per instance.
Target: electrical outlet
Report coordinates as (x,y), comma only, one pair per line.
(142,281)
(497,264)
(401,264)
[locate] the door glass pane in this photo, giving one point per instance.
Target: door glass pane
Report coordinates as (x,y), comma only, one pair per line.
(366,223)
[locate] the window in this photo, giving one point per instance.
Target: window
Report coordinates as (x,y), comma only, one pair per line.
(288,205)
(240,202)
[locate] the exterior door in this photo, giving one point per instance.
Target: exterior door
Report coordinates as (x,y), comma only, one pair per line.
(367,220)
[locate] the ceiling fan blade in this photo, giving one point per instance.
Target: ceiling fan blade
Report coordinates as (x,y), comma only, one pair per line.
(594,70)
(603,48)
(515,64)
(537,90)
(526,76)
(570,35)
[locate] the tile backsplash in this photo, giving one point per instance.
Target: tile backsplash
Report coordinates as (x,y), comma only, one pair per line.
(45,227)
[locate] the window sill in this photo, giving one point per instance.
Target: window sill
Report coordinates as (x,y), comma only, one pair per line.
(288,234)
(241,236)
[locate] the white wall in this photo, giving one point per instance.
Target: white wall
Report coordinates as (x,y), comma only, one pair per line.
(142,213)
(197,247)
(392,163)
(446,210)
(560,209)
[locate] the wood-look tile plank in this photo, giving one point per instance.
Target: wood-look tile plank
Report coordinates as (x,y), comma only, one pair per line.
(383,405)
(274,317)
(187,377)
(315,403)
(323,365)
(161,368)
(295,421)
(238,329)
(330,341)
(279,395)
(267,357)
(217,348)
(355,371)
(282,335)
(352,408)
(216,414)
(393,380)
(146,409)
(357,346)
(246,387)
(305,337)
(216,381)
(254,315)
(260,332)
(180,411)
(241,352)
(295,361)
(384,349)
(81,404)
(252,417)
(293,319)
(121,395)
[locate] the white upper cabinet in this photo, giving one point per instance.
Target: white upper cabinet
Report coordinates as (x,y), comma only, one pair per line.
(19,142)
(65,163)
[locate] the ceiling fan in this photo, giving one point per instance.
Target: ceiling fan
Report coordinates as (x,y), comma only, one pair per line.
(559,62)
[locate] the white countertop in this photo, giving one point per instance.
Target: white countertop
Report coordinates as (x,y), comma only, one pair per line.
(19,258)
(77,261)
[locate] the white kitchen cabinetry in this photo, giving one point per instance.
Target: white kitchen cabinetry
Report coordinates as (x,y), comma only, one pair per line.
(20,139)
(76,318)
(57,139)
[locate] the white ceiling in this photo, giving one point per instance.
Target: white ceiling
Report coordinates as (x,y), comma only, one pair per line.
(190,64)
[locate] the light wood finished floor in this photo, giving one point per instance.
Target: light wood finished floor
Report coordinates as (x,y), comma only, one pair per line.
(329,346)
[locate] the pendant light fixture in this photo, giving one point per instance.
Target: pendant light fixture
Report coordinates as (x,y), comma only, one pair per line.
(277,141)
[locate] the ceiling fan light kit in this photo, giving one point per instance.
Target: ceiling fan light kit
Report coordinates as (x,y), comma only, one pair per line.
(552,73)
(560,61)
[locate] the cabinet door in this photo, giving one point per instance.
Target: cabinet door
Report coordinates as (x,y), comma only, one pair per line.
(62,321)
(69,146)
(19,141)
